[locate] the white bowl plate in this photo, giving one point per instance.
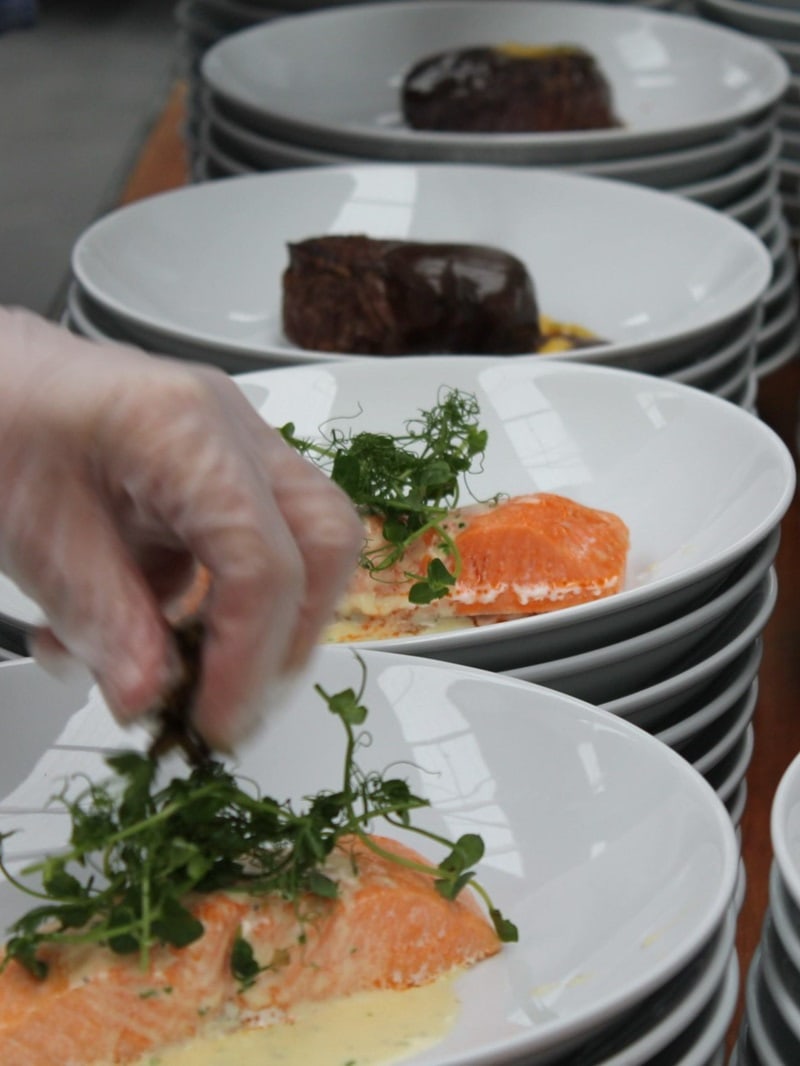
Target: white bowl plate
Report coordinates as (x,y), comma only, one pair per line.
(781,978)
(709,746)
(785,828)
(761,20)
(771,1039)
(546,436)
(331,79)
(611,671)
(204,264)
(250,146)
(518,764)
(698,481)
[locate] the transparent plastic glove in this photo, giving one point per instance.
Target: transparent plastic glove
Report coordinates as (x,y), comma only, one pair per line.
(119,473)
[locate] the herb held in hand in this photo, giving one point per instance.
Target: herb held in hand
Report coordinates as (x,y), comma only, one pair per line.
(410,480)
(137,850)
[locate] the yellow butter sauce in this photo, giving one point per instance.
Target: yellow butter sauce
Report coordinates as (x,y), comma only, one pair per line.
(365,1029)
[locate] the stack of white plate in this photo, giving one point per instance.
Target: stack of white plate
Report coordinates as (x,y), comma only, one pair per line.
(701,484)
(323,88)
(675,288)
(777,24)
(615,860)
(770,1030)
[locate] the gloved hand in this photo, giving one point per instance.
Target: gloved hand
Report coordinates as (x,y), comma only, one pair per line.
(119,474)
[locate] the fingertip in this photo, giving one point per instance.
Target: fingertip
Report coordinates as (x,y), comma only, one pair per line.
(134,664)
(228,731)
(137,681)
(129,686)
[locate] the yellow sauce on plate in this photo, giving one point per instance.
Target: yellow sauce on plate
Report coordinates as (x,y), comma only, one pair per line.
(366,1029)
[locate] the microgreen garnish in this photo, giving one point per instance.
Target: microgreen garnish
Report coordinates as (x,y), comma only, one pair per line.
(410,480)
(173,717)
(138,849)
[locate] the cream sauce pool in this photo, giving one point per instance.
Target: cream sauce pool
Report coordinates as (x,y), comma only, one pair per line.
(365,1029)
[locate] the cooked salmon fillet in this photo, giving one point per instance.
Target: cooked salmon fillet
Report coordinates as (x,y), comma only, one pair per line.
(525,555)
(538,553)
(389,928)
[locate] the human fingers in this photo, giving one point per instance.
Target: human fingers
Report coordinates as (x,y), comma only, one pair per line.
(193,471)
(115,454)
(329,535)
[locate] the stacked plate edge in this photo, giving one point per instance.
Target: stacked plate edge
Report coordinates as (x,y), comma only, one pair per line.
(769,1034)
(777,24)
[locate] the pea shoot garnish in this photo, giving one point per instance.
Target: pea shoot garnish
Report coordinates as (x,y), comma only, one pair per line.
(409,480)
(138,849)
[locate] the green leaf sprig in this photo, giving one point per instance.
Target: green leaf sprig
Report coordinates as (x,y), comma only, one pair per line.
(137,850)
(410,480)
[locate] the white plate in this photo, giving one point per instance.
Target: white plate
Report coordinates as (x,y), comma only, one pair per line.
(533,795)
(783,350)
(780,319)
(743,1053)
(771,4)
(784,915)
(658,1021)
(759,19)
(707,748)
(772,230)
(726,697)
(523,403)
(701,668)
(790,53)
(702,1042)
(784,260)
(789,117)
(738,181)
(784,276)
(781,978)
(677,726)
(778,241)
(223,160)
(757,209)
(790,144)
(785,828)
(204,263)
(726,777)
(709,1043)
(253,147)
(750,210)
(611,671)
(200,24)
(245,14)
(769,1035)
(736,805)
(596,434)
(88,320)
(672,77)
(705,372)
(710,366)
(738,388)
